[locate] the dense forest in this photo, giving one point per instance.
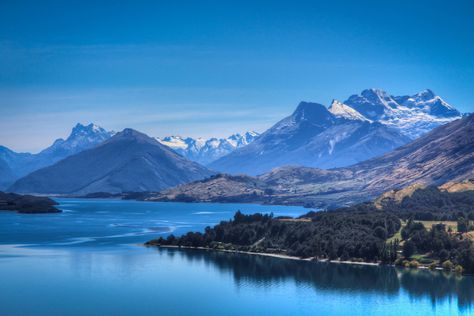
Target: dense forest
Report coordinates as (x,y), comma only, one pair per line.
(363,232)
(431,204)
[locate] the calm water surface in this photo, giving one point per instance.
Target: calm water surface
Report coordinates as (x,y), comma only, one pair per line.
(87,261)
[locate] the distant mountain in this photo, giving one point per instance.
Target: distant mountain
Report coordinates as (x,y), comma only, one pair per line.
(6,174)
(17,163)
(313,136)
(364,126)
(128,162)
(206,151)
(82,137)
(412,115)
(443,155)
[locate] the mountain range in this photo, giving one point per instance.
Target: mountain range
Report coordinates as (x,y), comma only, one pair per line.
(362,127)
(127,162)
(14,165)
(205,151)
(341,136)
(443,155)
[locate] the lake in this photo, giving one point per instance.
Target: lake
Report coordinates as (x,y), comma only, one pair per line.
(88,261)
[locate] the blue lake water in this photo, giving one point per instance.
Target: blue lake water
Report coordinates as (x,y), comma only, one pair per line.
(88,261)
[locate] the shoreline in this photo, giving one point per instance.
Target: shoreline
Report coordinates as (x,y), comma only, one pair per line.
(287,257)
(266,254)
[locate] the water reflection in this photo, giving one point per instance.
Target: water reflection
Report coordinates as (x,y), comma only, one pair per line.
(358,279)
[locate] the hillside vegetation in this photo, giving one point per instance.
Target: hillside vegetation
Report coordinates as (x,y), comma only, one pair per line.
(369,232)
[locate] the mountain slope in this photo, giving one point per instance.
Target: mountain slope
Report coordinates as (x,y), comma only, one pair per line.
(129,161)
(206,151)
(6,174)
(443,155)
(316,137)
(17,163)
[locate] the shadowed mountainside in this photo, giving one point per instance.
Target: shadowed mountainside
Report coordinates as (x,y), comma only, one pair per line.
(129,161)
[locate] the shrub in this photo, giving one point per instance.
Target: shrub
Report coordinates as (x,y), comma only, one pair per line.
(432,266)
(458,269)
(447,265)
(413,264)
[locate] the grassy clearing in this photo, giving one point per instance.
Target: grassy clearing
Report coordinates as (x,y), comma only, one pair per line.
(428,225)
(424,259)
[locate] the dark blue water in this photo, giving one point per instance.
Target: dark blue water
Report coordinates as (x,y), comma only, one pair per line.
(88,261)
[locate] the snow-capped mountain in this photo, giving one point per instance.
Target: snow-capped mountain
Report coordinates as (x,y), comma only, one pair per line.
(205,151)
(412,115)
(313,136)
(366,125)
(82,137)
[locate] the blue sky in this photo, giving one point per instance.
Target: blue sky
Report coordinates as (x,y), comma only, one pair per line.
(212,68)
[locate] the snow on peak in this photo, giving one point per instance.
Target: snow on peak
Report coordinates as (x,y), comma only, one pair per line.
(88,130)
(173,142)
(205,151)
(237,140)
(82,137)
(413,115)
(341,110)
(426,94)
(380,97)
(429,103)
(251,134)
(373,104)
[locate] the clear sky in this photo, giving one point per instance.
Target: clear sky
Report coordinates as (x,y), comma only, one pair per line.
(212,68)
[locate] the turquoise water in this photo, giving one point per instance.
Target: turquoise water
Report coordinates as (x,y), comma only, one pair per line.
(87,261)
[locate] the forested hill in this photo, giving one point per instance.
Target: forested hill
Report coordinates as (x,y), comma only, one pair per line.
(386,231)
(429,203)
(336,234)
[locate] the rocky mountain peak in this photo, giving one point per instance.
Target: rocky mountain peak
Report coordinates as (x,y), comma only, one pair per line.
(134,135)
(341,110)
(313,112)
